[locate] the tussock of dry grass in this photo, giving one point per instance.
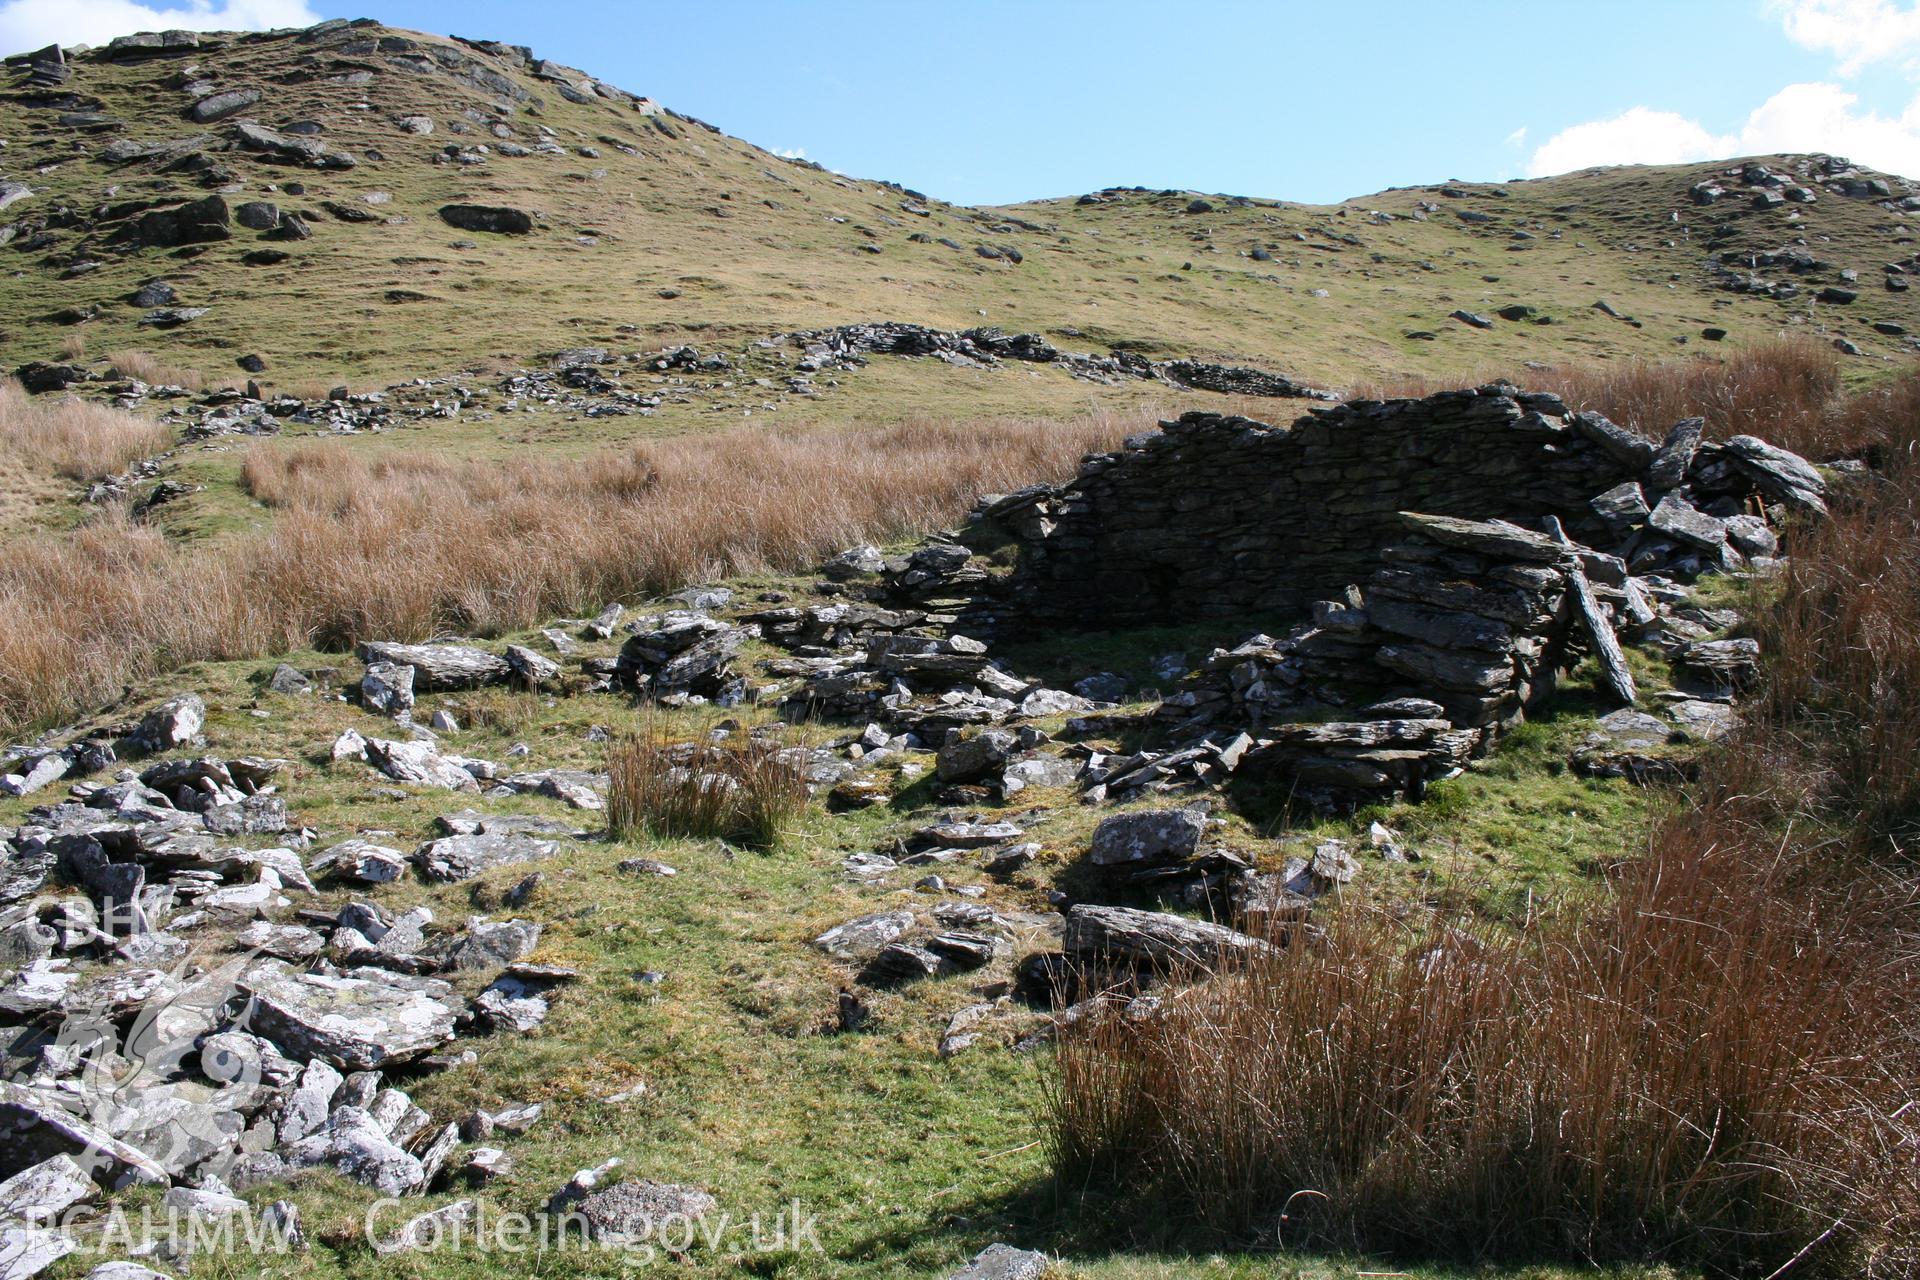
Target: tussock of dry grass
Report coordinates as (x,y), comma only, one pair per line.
(406,547)
(740,788)
(73,438)
(1715,1066)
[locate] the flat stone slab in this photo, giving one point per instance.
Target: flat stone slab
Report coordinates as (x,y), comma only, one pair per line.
(453,858)
(351,1023)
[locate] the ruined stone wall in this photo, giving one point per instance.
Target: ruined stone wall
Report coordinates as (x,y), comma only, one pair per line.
(1224,517)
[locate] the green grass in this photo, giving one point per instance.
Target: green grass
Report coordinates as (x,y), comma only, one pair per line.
(910,1163)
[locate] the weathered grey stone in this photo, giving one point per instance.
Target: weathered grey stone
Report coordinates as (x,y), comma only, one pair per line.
(462,857)
(28,1251)
(1751,535)
(386,688)
(291,149)
(489,945)
(1038,770)
(976,754)
(203,221)
(1495,538)
(965,835)
(1628,449)
(532,667)
(860,940)
(362,862)
(639,1209)
(1155,938)
(1779,473)
(355,1144)
(351,1023)
(126,1271)
(1669,467)
(474,217)
(305,1109)
(1148,836)
(1677,518)
(1622,506)
(418,762)
(173,722)
(219,106)
(35,1126)
(45,1191)
(1003,1262)
(440,667)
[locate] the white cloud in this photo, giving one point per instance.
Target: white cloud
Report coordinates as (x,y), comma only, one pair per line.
(30,24)
(1518,138)
(1825,117)
(1857,32)
(791,153)
(1639,135)
(1801,117)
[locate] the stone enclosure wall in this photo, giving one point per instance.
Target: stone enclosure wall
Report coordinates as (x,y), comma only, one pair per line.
(1226,517)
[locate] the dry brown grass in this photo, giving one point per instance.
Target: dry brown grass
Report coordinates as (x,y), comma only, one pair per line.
(1714,1066)
(1786,391)
(305,388)
(73,438)
(155,371)
(741,788)
(406,547)
(1693,1072)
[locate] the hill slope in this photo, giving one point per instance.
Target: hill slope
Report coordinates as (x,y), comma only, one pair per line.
(647,226)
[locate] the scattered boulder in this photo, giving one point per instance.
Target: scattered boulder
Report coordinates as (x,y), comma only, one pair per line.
(477,217)
(1148,837)
(307,151)
(1155,939)
(639,1209)
(218,106)
(200,221)
(418,762)
(386,688)
(462,857)
(860,940)
(177,720)
(439,667)
(1003,1262)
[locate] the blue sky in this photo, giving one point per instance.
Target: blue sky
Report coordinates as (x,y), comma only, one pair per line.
(997,101)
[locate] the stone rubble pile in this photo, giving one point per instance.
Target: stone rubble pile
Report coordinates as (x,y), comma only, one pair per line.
(1418,543)
(847,346)
(128,1062)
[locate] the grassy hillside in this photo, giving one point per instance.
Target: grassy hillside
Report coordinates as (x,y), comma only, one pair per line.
(652,227)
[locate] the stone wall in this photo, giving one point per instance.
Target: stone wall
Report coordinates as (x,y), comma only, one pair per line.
(1226,517)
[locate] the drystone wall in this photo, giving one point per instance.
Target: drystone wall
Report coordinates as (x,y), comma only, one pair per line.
(1425,568)
(1226,517)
